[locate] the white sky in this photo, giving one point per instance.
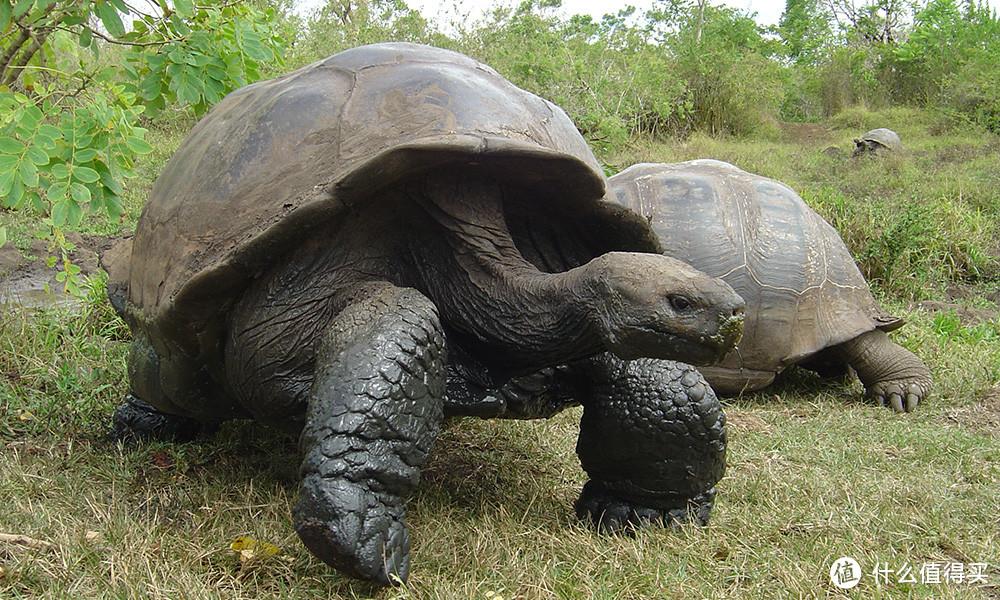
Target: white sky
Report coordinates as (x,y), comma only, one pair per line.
(768,11)
(445,11)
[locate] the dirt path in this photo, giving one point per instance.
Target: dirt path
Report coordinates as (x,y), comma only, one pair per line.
(807,134)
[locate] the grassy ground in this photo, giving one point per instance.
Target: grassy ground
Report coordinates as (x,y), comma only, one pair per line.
(813,475)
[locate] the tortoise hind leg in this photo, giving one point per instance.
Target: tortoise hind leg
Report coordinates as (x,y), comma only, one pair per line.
(892,375)
(163,389)
(374,411)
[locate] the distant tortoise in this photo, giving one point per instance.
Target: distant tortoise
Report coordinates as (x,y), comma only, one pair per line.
(328,250)
(807,302)
(877,142)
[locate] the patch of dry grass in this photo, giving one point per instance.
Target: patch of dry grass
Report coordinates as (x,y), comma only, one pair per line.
(813,474)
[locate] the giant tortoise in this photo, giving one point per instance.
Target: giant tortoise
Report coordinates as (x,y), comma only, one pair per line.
(807,302)
(877,142)
(330,250)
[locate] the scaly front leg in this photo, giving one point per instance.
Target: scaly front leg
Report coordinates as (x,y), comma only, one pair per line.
(374,412)
(892,375)
(652,439)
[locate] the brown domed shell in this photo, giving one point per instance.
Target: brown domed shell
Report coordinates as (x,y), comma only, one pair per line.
(276,158)
(803,290)
(885,137)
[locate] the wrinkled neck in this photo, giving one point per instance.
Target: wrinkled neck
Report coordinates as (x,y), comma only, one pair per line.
(495,303)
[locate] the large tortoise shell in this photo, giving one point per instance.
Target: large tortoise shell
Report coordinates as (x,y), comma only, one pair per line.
(802,288)
(276,158)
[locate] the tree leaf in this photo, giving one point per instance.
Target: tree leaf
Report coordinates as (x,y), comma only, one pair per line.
(80,193)
(28,173)
(138,145)
(35,200)
(60,210)
(5,13)
(6,182)
(60,171)
(86,37)
(85,155)
(85,174)
(111,19)
(9,145)
(114,206)
(37,155)
(74,212)
(21,8)
(16,195)
(3,236)
(184,7)
(8,163)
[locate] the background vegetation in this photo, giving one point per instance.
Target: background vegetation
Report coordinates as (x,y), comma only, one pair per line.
(95,96)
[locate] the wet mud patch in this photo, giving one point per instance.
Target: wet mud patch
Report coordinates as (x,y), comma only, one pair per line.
(25,275)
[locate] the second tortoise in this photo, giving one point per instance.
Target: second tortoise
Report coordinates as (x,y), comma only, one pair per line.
(807,302)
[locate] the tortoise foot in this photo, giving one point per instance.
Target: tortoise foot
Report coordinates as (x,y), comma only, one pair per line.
(902,395)
(135,420)
(892,375)
(611,514)
(354,529)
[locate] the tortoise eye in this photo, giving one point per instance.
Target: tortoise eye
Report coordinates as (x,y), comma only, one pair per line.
(680,303)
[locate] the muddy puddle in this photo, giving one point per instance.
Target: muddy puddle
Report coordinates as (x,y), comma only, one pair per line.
(26,280)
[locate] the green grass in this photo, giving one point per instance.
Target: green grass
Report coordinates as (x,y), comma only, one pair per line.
(813,474)
(917,222)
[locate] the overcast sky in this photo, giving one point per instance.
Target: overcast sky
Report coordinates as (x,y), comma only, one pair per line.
(768,11)
(445,10)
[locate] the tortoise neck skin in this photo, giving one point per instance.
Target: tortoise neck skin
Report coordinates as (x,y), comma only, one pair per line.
(505,311)
(495,303)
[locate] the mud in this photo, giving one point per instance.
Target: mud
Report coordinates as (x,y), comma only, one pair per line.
(24,275)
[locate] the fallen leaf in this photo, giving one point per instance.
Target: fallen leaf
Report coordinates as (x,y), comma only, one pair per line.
(162,460)
(249,548)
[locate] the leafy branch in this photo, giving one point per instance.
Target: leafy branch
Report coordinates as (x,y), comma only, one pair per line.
(69,127)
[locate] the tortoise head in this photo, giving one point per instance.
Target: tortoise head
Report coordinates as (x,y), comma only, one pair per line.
(656,306)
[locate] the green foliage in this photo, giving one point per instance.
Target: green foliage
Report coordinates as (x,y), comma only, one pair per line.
(733,83)
(721,78)
(74,81)
(973,90)
(805,30)
(587,67)
(942,40)
(62,159)
(198,54)
(873,22)
(337,25)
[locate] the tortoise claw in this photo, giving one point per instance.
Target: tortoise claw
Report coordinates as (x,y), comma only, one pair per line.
(613,515)
(899,395)
(354,529)
(137,421)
